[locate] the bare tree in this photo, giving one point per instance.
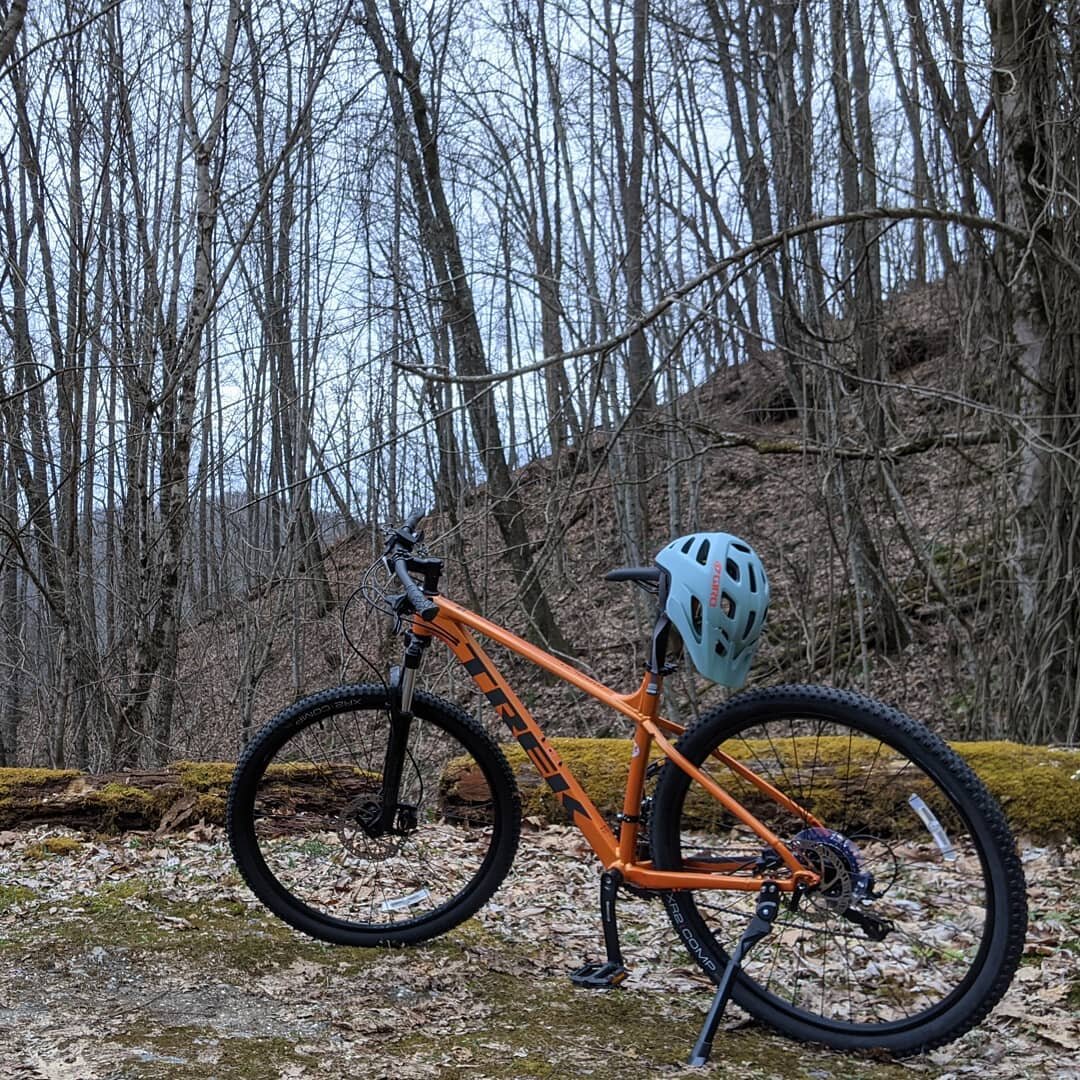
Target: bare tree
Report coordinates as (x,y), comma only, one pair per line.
(1033,53)
(418,146)
(9,32)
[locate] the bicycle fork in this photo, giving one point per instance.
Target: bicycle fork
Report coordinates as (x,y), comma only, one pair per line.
(402,687)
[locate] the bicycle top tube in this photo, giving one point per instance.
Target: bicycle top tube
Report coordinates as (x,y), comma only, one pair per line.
(453,616)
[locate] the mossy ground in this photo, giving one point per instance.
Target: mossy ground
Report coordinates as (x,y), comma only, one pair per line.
(12,896)
(141,957)
(222,937)
(540,1028)
(188,1052)
(136,981)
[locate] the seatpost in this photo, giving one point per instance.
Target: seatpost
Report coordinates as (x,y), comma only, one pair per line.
(658,666)
(658,651)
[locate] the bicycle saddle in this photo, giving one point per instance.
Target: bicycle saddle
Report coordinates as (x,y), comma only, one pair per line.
(640,574)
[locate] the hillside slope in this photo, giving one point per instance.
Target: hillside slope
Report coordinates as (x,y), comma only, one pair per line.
(755,473)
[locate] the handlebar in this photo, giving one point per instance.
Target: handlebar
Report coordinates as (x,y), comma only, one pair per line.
(404,537)
(400,543)
(422,605)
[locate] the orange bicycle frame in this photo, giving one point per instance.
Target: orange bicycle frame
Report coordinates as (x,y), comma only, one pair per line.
(452,626)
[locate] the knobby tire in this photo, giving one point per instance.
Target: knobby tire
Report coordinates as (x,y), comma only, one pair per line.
(307,782)
(955,906)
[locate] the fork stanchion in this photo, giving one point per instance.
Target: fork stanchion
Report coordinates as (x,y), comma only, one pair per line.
(768,904)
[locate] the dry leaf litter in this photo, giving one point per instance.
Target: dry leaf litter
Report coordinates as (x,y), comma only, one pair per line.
(141,956)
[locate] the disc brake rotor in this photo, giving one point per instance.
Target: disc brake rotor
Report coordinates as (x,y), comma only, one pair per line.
(836,860)
(355,829)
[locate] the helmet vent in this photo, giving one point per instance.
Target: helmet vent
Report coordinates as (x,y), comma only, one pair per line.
(738,546)
(752,576)
(695,615)
(733,571)
(721,649)
(703,552)
(750,620)
(728,605)
(688,545)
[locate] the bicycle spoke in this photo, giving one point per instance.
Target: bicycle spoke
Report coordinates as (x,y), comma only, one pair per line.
(321,829)
(892,930)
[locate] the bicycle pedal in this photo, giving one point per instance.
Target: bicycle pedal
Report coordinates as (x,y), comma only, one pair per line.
(599,975)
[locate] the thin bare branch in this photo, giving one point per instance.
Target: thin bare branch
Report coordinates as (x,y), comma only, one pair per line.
(768,243)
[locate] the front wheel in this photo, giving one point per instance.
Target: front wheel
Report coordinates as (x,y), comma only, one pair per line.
(917,924)
(320,844)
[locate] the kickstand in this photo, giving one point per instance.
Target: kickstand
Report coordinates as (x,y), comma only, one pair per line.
(768,903)
(610,972)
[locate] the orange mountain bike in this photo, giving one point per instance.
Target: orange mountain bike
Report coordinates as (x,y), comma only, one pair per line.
(830,863)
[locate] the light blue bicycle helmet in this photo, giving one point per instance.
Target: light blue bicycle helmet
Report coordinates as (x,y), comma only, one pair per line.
(717,599)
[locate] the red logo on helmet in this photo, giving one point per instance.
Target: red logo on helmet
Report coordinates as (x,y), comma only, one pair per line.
(714,592)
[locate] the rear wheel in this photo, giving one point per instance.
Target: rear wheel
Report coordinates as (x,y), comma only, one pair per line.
(918,923)
(313,839)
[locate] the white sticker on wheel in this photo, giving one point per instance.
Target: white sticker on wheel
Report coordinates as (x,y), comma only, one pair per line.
(402,903)
(941,837)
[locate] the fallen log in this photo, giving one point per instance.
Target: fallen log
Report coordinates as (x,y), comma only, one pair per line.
(171,797)
(164,798)
(1038,787)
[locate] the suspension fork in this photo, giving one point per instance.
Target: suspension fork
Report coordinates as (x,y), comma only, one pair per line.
(402,686)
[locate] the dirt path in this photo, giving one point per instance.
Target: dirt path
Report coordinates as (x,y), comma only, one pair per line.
(133,957)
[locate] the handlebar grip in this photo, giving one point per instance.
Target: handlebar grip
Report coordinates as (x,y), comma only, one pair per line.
(423,605)
(414,519)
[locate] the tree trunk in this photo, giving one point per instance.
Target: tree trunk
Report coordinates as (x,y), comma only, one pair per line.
(9,32)
(1038,147)
(419,147)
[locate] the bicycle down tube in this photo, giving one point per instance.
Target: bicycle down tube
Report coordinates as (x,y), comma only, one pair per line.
(452,625)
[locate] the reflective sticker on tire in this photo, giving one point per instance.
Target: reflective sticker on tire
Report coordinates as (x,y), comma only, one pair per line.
(401,903)
(941,838)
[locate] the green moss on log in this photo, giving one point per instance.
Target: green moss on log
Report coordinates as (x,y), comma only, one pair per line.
(172,797)
(111,803)
(10,778)
(599,764)
(1039,788)
(212,776)
(17,786)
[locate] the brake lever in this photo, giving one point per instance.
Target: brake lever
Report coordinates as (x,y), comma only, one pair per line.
(399,602)
(402,537)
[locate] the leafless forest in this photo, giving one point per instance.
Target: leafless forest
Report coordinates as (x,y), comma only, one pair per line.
(274,272)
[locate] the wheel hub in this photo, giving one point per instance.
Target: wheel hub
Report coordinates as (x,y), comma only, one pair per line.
(836,860)
(358,831)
